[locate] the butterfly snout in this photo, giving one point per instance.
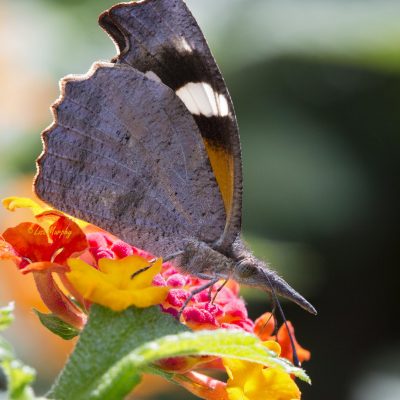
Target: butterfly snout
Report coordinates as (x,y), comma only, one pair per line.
(255,273)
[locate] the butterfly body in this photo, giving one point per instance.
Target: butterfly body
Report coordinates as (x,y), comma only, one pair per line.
(200,259)
(147,147)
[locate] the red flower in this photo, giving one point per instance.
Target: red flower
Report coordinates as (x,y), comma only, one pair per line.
(30,242)
(43,250)
(207,309)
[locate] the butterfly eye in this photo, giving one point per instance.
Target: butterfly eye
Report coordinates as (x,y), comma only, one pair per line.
(244,269)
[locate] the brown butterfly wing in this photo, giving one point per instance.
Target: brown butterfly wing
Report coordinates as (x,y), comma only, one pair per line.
(125,154)
(163,37)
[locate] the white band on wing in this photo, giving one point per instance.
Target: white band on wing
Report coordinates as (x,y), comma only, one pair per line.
(200,99)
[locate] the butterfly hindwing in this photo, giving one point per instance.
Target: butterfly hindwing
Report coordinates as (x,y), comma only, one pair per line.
(147,148)
(125,154)
(163,37)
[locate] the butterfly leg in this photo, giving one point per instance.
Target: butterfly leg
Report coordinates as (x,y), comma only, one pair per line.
(166,259)
(207,285)
(144,268)
(206,277)
(172,256)
(218,290)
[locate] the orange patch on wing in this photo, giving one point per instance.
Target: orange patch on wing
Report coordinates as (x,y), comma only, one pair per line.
(223,167)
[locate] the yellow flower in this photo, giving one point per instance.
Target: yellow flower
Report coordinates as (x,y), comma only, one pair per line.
(251,381)
(112,286)
(13,203)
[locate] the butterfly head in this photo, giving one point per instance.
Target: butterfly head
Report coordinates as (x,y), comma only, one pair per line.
(255,273)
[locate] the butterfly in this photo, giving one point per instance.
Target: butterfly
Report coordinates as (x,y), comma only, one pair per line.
(147,147)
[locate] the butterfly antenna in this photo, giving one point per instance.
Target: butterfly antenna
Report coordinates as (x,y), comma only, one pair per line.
(277,304)
(218,290)
(273,315)
(296,361)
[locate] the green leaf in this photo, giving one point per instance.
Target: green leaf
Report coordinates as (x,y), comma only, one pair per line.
(6,350)
(107,338)
(19,376)
(6,316)
(57,326)
(222,343)
(116,348)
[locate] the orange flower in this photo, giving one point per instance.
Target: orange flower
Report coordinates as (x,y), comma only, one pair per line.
(284,340)
(264,328)
(43,250)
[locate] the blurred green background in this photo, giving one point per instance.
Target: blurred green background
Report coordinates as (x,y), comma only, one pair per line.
(316,86)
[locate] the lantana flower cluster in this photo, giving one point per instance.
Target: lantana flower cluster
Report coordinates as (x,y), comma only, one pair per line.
(93,266)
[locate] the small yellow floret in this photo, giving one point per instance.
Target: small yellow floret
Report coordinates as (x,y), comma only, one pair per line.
(13,203)
(112,286)
(251,381)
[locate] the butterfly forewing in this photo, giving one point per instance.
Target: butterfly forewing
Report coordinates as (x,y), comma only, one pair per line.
(147,148)
(163,37)
(124,154)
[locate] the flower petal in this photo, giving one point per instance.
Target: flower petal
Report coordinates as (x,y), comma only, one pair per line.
(284,340)
(57,302)
(42,266)
(181,365)
(84,277)
(273,346)
(202,386)
(30,241)
(112,286)
(235,393)
(66,237)
(7,252)
(265,326)
(279,385)
(13,203)
(119,300)
(126,267)
(252,381)
(239,371)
